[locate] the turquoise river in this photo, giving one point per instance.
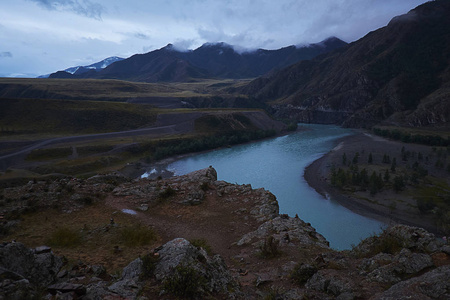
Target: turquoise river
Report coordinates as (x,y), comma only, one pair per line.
(278,165)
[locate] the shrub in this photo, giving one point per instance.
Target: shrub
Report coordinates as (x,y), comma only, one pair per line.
(270,248)
(425,205)
(137,235)
(167,193)
(186,282)
(201,243)
(302,272)
(149,262)
(64,237)
(204,186)
(386,243)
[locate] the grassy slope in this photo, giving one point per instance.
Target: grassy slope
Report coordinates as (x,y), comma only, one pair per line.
(71,117)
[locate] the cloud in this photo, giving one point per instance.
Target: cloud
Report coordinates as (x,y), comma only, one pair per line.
(184,44)
(82,7)
(6,54)
(141,36)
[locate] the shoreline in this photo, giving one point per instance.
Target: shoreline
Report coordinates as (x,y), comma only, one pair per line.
(316,175)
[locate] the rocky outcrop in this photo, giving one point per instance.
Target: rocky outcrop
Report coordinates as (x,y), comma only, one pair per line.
(431,285)
(285,228)
(179,258)
(264,254)
(24,271)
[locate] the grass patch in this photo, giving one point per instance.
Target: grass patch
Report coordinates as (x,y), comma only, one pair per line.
(46,154)
(65,237)
(137,235)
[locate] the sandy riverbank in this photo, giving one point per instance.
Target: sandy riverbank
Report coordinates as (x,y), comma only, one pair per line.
(386,206)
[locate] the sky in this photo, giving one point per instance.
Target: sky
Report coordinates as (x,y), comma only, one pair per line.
(43,36)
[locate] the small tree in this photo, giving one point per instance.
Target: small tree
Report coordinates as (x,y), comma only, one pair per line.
(355,158)
(387,176)
(399,184)
(370,160)
(393,165)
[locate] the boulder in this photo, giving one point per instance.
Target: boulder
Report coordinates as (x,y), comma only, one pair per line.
(129,284)
(180,256)
(40,268)
(431,285)
(331,282)
(284,226)
(395,238)
(403,265)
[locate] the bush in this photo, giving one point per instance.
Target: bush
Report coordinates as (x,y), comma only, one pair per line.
(270,248)
(149,262)
(137,235)
(201,243)
(425,206)
(167,193)
(302,272)
(186,282)
(64,237)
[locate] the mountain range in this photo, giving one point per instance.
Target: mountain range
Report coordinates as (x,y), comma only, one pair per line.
(398,74)
(218,60)
(92,67)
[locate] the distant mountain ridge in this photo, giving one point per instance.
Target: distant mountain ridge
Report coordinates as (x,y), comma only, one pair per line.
(92,67)
(218,60)
(398,74)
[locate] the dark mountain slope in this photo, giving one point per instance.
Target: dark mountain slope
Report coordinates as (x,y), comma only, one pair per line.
(389,74)
(208,61)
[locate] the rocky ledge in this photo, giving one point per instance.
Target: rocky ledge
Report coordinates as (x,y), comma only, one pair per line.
(260,253)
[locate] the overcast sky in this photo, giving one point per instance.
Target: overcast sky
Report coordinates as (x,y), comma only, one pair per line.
(42,36)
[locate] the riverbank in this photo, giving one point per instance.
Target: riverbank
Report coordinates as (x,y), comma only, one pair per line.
(386,206)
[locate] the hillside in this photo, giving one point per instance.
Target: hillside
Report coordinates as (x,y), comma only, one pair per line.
(398,74)
(208,61)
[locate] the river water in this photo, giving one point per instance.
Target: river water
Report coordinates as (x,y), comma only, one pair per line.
(278,165)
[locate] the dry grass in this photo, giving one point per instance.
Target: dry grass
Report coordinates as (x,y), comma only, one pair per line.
(97,242)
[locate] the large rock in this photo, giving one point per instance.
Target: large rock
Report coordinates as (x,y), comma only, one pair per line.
(129,284)
(180,253)
(39,268)
(282,227)
(432,285)
(331,282)
(23,271)
(396,238)
(405,264)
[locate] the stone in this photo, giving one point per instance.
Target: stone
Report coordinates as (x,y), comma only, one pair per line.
(298,231)
(42,249)
(39,269)
(404,264)
(65,287)
(181,253)
(330,282)
(431,285)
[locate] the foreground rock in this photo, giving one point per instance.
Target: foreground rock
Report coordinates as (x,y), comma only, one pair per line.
(261,253)
(25,271)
